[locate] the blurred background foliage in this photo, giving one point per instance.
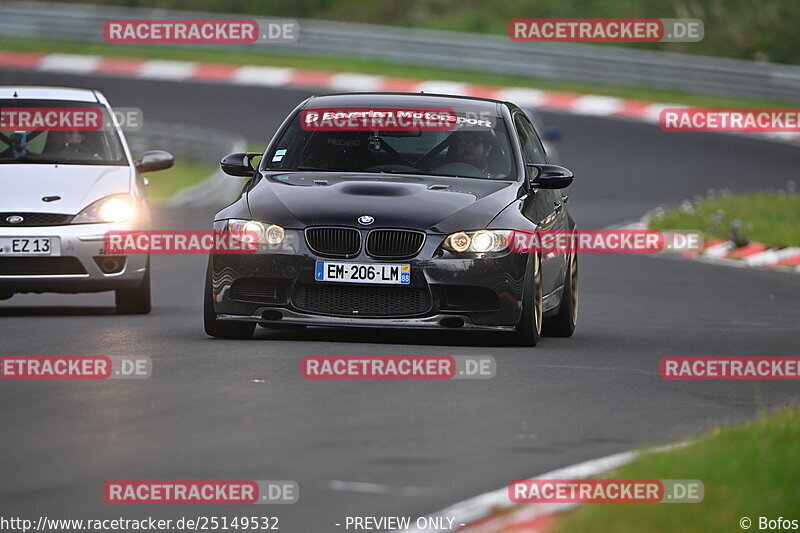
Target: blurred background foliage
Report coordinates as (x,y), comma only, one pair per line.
(763,30)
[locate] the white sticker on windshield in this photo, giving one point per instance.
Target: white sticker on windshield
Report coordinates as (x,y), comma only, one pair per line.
(278,155)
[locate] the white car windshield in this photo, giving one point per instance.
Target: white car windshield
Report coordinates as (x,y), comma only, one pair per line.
(69,133)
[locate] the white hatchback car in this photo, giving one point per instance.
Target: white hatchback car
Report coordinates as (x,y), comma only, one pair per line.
(62,190)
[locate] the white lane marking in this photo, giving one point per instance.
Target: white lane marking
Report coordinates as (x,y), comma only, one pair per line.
(597,105)
(159,69)
(72,63)
(266,76)
(442,87)
(378,488)
(351,81)
(522,96)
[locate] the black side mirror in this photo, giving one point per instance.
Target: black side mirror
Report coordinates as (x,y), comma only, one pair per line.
(239,164)
(542,176)
(155,160)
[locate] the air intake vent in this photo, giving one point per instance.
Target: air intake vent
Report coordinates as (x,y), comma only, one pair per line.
(355,300)
(334,242)
(394,243)
(34,219)
(257,290)
(33,266)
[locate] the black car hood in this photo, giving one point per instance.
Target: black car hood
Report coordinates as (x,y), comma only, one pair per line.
(429,203)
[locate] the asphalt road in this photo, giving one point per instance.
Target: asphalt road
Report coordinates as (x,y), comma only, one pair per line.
(217,409)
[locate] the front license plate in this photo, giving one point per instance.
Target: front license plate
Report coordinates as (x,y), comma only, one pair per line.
(25,246)
(363,273)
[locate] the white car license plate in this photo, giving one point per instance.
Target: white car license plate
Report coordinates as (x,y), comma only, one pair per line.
(363,272)
(26,246)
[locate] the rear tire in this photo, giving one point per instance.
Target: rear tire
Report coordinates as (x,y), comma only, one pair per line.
(563,323)
(135,301)
(221,329)
(529,328)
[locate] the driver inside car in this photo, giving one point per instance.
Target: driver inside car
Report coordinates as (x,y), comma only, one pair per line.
(472,148)
(69,142)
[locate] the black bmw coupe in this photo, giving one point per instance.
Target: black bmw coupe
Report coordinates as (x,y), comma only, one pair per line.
(365,222)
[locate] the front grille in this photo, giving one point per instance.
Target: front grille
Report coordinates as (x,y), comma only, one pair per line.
(355,300)
(394,243)
(257,290)
(35,219)
(24,266)
(334,242)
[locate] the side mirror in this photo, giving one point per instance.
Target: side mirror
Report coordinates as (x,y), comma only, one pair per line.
(155,160)
(542,176)
(239,164)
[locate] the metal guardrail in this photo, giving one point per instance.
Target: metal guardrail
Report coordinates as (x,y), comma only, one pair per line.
(597,64)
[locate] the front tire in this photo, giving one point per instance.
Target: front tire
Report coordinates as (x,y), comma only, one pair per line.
(135,301)
(563,323)
(529,328)
(221,329)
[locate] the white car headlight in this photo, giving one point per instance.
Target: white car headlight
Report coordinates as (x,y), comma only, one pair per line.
(478,241)
(255,231)
(116,208)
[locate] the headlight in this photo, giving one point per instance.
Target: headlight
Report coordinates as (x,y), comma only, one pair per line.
(478,241)
(117,208)
(250,230)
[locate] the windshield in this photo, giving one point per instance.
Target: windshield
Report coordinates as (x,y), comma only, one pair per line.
(69,133)
(473,146)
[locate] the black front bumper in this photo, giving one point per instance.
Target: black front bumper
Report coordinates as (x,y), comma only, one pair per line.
(444,291)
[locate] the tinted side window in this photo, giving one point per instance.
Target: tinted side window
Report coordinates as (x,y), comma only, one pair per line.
(532,150)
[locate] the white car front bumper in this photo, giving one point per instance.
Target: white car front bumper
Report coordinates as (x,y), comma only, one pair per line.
(75,263)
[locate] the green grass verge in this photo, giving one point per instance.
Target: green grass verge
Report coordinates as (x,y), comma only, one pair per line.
(748,470)
(767,217)
(348,64)
(165,183)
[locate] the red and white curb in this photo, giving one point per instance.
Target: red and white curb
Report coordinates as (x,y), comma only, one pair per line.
(494,512)
(753,254)
(265,76)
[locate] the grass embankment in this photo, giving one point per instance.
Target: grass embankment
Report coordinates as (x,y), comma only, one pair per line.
(768,217)
(747,471)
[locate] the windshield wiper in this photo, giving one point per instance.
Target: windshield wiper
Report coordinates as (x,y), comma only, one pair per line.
(414,172)
(314,168)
